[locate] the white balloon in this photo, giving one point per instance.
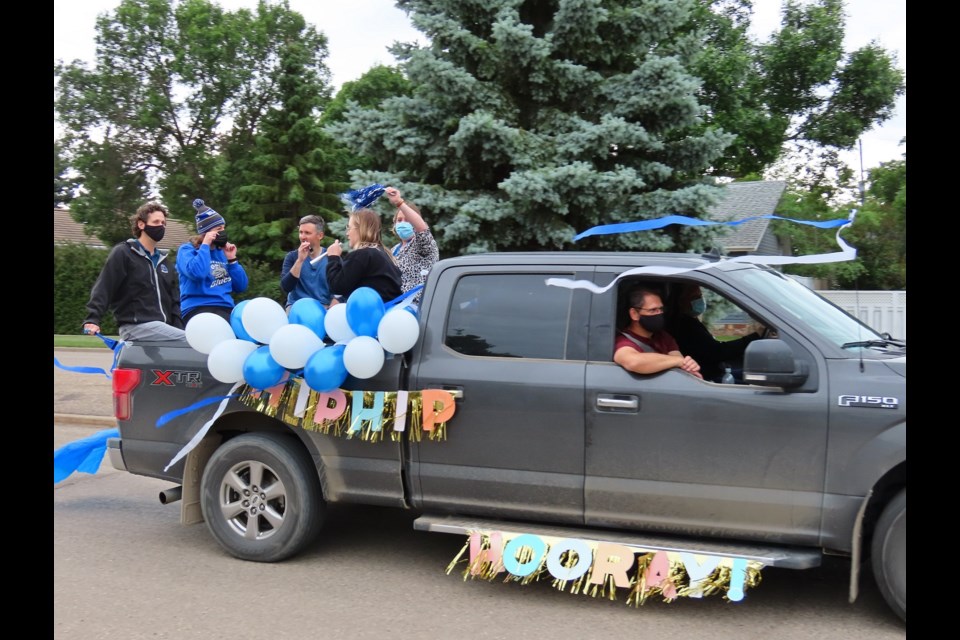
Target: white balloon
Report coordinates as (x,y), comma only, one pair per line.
(335,322)
(293,344)
(262,317)
(398,331)
(225,361)
(207,330)
(363,357)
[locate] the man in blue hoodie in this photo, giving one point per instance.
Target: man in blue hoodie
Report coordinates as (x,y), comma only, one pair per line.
(304,271)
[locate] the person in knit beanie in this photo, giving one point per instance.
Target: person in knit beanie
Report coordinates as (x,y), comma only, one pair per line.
(210,272)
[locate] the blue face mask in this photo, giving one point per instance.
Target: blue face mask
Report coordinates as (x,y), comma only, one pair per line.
(404,230)
(698,306)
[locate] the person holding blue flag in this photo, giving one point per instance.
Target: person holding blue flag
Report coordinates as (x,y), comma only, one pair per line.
(368,264)
(417,251)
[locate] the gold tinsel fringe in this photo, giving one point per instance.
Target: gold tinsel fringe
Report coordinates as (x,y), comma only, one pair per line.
(281,403)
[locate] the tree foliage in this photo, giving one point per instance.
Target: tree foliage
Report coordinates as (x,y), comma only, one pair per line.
(292,169)
(796,91)
(63,185)
(113,189)
(530,121)
(177,82)
(878,231)
(377,83)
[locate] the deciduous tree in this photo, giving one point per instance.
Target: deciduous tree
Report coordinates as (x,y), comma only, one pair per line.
(177,81)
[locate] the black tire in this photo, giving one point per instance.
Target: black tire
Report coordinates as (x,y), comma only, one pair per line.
(889,554)
(261,497)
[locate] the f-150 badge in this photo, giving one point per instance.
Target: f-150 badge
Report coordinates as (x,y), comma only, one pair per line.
(877,402)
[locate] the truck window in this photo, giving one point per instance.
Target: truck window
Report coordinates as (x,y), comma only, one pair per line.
(512,315)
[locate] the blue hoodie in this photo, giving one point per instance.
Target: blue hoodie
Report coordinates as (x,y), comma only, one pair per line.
(206,279)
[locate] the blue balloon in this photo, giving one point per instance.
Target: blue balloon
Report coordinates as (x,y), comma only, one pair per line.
(260,370)
(235,323)
(310,313)
(365,309)
(325,370)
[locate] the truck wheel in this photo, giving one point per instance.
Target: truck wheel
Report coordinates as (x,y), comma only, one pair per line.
(261,497)
(889,554)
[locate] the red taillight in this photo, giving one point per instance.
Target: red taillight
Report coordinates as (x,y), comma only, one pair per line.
(124,381)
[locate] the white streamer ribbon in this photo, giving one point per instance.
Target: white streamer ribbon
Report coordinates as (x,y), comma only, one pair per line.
(195,440)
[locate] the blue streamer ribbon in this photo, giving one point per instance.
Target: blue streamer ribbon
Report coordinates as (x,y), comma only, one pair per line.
(167,417)
(846,253)
(659,223)
(403,298)
(84,455)
(114,345)
(362,198)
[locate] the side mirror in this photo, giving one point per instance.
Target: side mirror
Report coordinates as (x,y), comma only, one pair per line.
(771,363)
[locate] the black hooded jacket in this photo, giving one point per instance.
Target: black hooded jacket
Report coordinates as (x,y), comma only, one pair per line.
(134,289)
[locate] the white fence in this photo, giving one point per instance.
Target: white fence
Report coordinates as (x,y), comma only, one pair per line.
(885,311)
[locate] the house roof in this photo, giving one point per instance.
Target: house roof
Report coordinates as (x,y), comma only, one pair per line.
(745,200)
(66,229)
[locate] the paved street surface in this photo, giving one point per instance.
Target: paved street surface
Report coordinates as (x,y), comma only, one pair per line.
(125,568)
(82,393)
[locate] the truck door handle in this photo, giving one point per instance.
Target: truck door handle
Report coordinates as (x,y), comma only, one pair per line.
(608,401)
(456,393)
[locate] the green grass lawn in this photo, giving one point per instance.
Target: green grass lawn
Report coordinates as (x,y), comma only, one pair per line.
(79,341)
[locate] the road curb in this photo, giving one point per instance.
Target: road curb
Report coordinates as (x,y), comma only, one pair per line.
(76,418)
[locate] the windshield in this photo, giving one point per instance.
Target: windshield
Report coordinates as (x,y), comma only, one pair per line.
(831,322)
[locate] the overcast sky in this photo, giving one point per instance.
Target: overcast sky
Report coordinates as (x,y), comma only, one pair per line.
(359,32)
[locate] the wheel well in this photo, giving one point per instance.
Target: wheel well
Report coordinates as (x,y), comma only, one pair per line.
(238,423)
(885,488)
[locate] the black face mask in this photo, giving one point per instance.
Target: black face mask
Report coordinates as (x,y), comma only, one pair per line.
(221,240)
(155,233)
(652,323)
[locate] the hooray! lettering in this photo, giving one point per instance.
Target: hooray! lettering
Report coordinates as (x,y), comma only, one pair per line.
(601,568)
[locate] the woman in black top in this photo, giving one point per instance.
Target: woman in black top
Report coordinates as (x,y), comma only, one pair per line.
(368,264)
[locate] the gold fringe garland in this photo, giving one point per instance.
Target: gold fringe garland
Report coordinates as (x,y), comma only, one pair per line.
(280,402)
(677,580)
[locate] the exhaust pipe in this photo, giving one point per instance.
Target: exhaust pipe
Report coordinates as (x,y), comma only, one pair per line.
(171,495)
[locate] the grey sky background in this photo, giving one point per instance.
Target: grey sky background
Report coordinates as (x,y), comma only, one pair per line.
(359,32)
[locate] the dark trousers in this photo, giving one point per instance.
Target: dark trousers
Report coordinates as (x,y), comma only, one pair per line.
(223,312)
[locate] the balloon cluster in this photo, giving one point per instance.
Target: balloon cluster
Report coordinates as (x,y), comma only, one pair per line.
(263,346)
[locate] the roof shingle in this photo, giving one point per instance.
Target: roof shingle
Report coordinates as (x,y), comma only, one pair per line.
(745,200)
(66,229)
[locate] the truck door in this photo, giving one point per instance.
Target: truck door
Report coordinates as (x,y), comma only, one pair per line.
(513,350)
(673,453)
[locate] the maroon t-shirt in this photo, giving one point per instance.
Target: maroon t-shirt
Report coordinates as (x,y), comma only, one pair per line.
(661,342)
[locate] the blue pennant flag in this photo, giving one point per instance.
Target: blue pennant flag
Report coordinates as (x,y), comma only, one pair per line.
(363,198)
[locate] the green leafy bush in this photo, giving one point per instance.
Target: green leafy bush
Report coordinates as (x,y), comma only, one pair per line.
(75,269)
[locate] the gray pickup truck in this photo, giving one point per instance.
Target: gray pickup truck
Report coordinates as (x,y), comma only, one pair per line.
(805,456)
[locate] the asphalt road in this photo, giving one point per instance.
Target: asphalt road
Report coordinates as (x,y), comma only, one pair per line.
(124,567)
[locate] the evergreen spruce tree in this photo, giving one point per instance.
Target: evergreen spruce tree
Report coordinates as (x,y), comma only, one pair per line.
(293,168)
(533,120)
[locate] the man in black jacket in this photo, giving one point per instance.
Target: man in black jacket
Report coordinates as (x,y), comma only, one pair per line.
(138,285)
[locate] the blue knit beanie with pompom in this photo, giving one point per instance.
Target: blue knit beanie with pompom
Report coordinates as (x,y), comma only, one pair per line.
(207,218)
